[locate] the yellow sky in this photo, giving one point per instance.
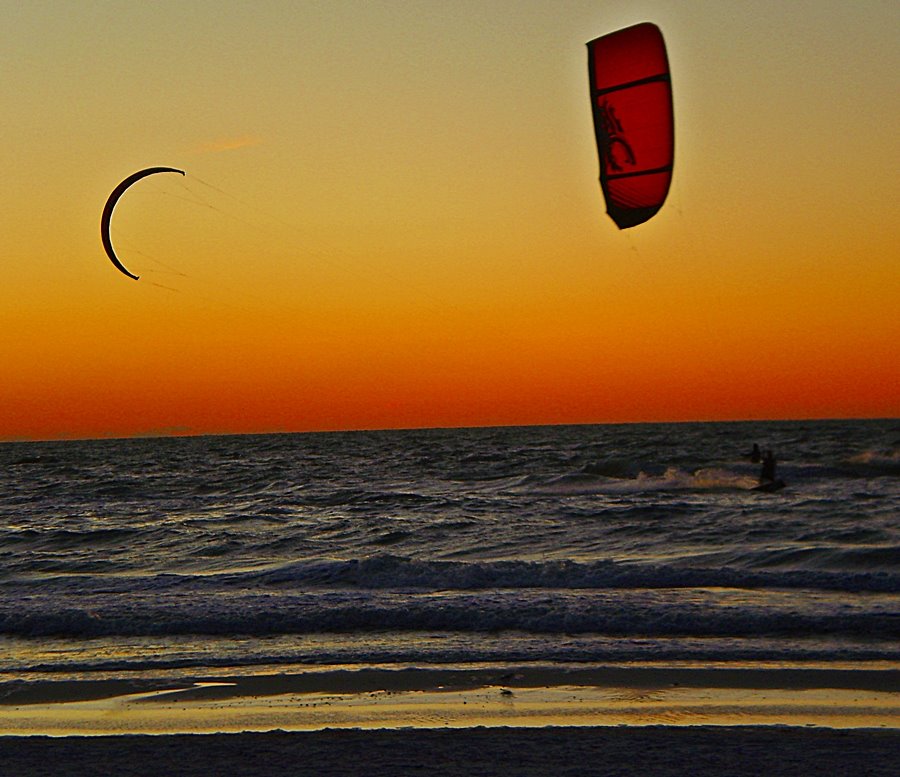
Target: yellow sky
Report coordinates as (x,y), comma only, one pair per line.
(391,217)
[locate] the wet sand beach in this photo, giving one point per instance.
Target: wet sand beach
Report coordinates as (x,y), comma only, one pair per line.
(381,698)
(524,720)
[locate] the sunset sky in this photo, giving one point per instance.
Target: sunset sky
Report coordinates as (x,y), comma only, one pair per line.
(391,217)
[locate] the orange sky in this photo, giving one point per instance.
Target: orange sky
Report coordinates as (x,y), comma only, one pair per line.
(391,218)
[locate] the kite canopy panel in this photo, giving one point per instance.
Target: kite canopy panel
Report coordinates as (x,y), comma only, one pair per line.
(631,95)
(106,217)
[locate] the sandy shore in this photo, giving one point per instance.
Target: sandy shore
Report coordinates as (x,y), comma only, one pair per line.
(381,698)
(561,752)
(626,720)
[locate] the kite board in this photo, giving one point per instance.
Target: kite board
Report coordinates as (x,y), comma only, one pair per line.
(769,485)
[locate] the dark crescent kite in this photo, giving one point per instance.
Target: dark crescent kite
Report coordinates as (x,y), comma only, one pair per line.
(111,203)
(631,95)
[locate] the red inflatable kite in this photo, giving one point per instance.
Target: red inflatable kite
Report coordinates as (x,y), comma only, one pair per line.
(631,94)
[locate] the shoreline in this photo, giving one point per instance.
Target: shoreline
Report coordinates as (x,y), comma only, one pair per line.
(236,682)
(457,698)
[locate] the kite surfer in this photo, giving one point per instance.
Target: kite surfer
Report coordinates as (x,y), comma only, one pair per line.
(767,479)
(755,455)
(767,473)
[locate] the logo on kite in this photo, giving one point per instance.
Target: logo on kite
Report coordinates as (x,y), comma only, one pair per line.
(631,89)
(106,217)
(612,131)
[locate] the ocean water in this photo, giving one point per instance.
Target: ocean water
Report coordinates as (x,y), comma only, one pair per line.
(564,546)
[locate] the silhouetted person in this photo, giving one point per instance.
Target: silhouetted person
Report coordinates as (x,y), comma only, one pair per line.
(768,468)
(755,455)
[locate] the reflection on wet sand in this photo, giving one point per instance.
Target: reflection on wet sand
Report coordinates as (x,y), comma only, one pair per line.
(194,709)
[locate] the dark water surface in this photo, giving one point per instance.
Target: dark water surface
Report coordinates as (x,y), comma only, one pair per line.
(548,544)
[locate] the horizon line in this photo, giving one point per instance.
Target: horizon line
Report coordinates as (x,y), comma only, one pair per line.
(150,435)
